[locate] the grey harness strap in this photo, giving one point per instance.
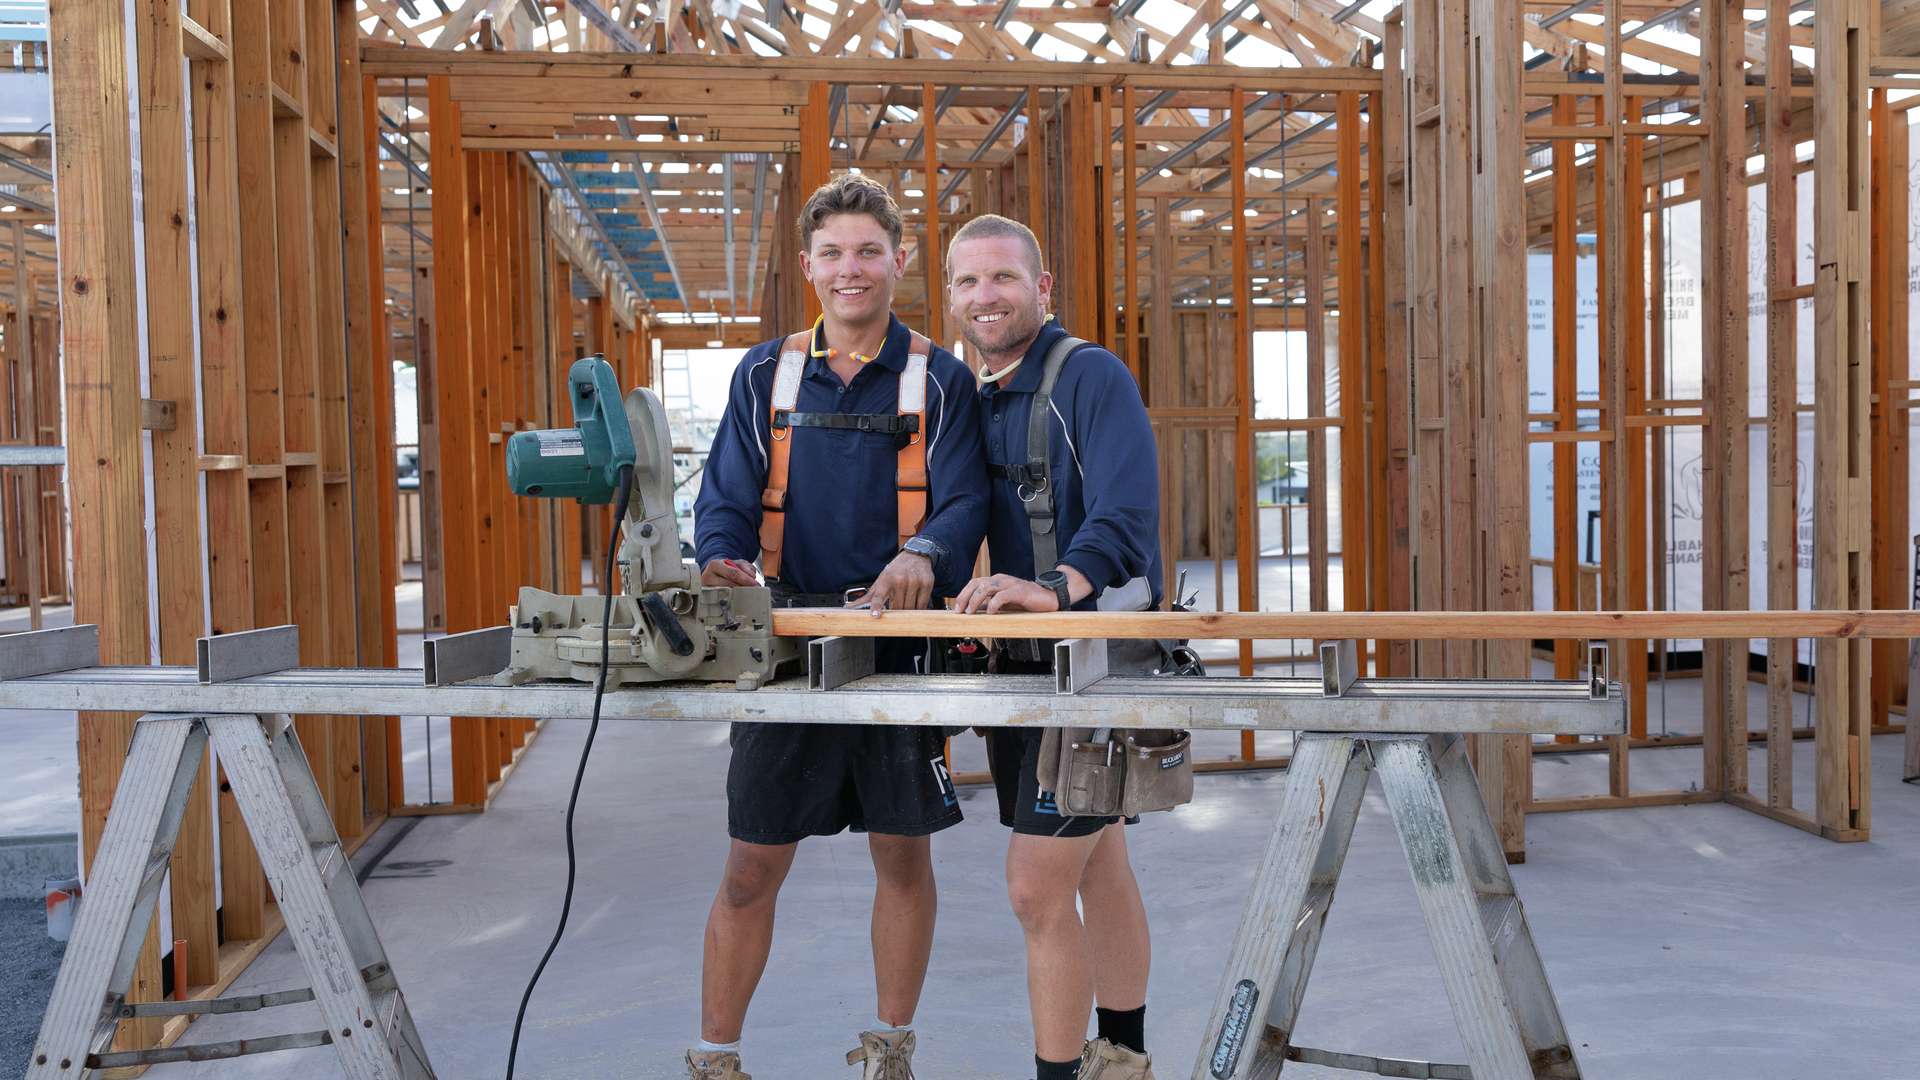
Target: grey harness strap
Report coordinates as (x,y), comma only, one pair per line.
(1037,495)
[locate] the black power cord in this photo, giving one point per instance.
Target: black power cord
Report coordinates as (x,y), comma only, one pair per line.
(573,799)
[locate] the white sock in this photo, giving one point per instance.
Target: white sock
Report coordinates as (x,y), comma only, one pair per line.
(890,1029)
(706,1047)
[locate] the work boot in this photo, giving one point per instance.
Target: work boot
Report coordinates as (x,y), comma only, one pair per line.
(1102,1060)
(888,1054)
(714,1065)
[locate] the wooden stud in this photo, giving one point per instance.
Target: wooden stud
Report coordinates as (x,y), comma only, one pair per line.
(931,257)
(1392,239)
(1783,540)
(453,364)
(1245,544)
(93,168)
(1354,561)
(1843,274)
(816,156)
(176,476)
(1723,234)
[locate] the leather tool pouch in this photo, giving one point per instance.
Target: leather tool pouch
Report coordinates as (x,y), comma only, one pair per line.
(1128,774)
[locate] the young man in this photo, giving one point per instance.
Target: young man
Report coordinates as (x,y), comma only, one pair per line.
(849,457)
(1104,479)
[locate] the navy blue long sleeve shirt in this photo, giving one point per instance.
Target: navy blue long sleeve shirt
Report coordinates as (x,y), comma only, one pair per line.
(842,502)
(1100,455)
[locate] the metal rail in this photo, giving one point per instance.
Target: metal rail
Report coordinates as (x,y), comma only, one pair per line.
(58,670)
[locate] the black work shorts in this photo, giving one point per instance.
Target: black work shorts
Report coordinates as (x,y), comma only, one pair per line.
(1013,756)
(791,781)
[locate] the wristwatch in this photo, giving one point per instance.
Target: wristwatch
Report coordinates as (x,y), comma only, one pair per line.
(1057,581)
(925,546)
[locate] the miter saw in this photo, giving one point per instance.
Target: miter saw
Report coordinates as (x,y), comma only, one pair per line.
(665,624)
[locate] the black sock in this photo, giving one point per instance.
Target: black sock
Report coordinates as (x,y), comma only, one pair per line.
(1055,1070)
(1128,1029)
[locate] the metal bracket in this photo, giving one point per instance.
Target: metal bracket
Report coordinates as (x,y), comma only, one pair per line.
(228,657)
(1597,670)
(833,662)
(1339,667)
(1078,663)
(472,655)
(45,652)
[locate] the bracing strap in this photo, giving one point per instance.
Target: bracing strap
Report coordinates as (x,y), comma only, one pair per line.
(773,499)
(1036,481)
(909,424)
(910,469)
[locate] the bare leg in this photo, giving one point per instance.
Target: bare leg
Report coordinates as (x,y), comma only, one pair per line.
(1117,936)
(1043,880)
(740,935)
(904,903)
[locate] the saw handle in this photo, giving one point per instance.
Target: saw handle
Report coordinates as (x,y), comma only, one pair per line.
(663,620)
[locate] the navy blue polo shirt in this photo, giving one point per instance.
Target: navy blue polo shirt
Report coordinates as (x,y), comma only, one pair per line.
(842,498)
(1100,455)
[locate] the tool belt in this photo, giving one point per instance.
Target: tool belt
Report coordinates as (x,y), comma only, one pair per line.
(1108,772)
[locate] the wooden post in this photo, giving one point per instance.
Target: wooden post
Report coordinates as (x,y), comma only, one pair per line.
(1427,404)
(245,896)
(453,362)
(1890,538)
(931,256)
(1500,355)
(1723,243)
(1248,557)
(816,156)
(1390,238)
(1843,275)
(1353,322)
(1783,305)
(1318,539)
(93,167)
(1566,258)
(176,476)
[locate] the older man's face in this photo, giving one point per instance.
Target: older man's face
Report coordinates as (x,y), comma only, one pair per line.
(995,295)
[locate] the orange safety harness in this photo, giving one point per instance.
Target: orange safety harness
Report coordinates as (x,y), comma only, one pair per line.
(910,469)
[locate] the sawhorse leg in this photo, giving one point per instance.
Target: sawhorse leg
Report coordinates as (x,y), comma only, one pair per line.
(366,1017)
(1495,983)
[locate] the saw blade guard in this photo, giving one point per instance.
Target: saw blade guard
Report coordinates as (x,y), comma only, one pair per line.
(650,538)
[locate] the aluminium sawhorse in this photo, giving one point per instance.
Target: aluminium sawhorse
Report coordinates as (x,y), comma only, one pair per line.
(1505,1010)
(366,1016)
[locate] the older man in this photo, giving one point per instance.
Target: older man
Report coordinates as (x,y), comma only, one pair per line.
(1099,498)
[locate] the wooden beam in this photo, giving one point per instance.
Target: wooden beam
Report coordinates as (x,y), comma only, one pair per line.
(931,259)
(1511,626)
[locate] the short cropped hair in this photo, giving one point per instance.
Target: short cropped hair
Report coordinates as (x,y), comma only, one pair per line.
(849,193)
(995,227)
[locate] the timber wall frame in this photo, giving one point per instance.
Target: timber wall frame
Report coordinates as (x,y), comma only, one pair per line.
(230,454)
(271,313)
(1410,214)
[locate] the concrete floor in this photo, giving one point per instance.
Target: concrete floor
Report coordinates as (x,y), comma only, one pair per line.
(1701,942)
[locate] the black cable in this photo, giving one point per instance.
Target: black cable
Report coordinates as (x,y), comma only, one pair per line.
(573,799)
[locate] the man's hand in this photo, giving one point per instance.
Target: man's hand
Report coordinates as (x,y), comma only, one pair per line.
(1004,592)
(905,585)
(723,572)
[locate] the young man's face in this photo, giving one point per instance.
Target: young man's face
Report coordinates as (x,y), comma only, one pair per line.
(853,265)
(993,294)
